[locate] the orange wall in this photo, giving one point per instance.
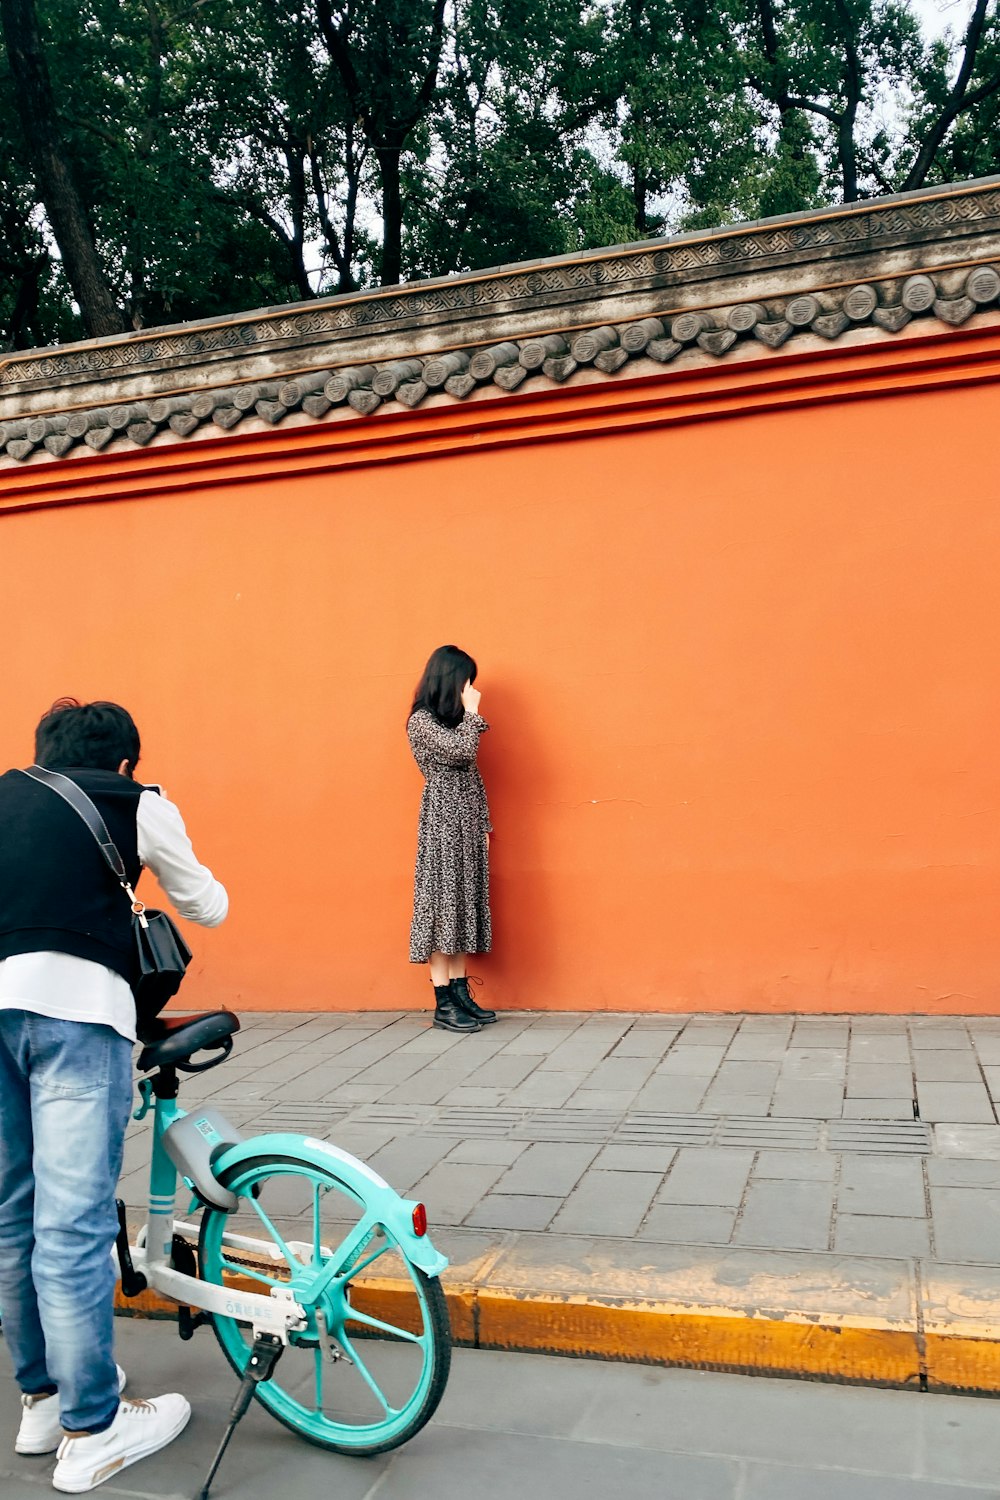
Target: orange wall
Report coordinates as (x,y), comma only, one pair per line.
(742,679)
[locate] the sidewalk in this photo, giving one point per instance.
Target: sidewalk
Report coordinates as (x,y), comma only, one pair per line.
(808,1195)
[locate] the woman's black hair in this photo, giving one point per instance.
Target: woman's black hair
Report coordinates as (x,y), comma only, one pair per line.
(97,735)
(440,688)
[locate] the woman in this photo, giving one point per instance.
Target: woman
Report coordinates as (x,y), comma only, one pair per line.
(451,898)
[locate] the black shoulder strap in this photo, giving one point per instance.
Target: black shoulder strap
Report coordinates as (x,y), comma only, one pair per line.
(82,805)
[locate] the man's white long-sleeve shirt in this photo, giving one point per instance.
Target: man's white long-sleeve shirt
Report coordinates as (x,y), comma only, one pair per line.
(77,989)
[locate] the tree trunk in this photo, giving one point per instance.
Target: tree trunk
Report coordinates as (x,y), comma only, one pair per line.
(392,215)
(37,112)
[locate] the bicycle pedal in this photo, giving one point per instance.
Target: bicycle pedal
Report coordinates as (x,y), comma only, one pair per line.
(132,1281)
(188,1323)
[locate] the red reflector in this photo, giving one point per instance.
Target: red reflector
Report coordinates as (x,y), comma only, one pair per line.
(420,1219)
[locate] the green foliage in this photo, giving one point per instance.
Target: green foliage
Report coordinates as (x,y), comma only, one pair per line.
(231,156)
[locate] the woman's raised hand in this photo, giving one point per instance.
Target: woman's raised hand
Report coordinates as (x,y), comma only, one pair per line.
(470,699)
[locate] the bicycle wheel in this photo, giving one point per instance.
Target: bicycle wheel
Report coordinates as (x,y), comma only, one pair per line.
(371,1365)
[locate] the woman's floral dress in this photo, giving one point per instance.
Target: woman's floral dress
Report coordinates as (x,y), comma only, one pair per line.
(451,892)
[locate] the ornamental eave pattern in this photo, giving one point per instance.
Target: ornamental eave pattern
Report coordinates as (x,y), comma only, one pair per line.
(875,266)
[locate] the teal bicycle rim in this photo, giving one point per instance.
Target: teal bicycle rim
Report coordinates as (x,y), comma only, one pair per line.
(390,1370)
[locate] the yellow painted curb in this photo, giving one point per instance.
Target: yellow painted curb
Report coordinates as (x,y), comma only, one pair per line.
(717,1338)
(706,1338)
(820,1317)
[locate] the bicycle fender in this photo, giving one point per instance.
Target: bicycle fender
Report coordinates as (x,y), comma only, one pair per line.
(387,1206)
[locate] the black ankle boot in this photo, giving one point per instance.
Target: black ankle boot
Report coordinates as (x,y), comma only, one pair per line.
(462,994)
(448,1014)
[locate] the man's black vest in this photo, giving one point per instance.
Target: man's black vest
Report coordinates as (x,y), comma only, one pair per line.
(56,892)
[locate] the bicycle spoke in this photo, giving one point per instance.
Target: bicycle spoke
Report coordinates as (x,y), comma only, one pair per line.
(365,1374)
(354,1316)
(317,1239)
(363,1265)
(242,1270)
(292,1259)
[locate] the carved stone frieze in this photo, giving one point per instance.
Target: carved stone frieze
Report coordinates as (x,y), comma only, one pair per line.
(910,220)
(635,333)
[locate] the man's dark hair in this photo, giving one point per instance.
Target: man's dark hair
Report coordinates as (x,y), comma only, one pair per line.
(440,688)
(97,735)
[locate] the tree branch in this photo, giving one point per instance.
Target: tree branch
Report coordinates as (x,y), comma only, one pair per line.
(957,100)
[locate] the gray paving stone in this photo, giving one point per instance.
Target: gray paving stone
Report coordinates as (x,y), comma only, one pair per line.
(756,1047)
(878,1081)
(469,1095)
(391,1069)
(718,1102)
(432,1041)
(878,1109)
(506,1071)
(747,1077)
(879,1049)
(687,1224)
(312,1086)
(676,1094)
(612,1203)
(809,1064)
(513,1211)
(549,1168)
(938,1038)
(362,1140)
(797,1166)
(538,1041)
(978,1141)
(488,1152)
(955,1102)
(992,1076)
(696,1060)
(643,1044)
(815,1037)
(660,1021)
(617,1101)
(714,1177)
(408,1158)
(716,1028)
(770,1482)
(808,1101)
(293,1064)
(882,1185)
(932,1066)
(945,1171)
(966,1224)
(545,1090)
(452,1189)
(352,1094)
(426,1087)
(624,1158)
(867,1234)
(620,1073)
(576,1055)
(789,1215)
(987,1047)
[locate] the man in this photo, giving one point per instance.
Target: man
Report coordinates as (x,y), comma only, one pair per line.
(67,1024)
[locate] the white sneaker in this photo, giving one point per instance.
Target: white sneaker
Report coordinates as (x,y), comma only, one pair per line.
(139,1428)
(41,1430)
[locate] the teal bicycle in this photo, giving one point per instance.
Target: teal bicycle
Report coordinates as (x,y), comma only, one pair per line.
(319,1280)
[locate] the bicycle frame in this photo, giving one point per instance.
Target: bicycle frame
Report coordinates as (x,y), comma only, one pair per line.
(277,1313)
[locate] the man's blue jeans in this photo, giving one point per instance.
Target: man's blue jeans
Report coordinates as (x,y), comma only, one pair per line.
(65,1095)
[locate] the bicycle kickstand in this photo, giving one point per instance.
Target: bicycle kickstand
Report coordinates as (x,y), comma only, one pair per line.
(267,1349)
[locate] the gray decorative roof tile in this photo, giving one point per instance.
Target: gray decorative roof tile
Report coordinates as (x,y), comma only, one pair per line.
(697,300)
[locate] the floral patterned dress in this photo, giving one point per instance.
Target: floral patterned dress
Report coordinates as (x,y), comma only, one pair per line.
(451,892)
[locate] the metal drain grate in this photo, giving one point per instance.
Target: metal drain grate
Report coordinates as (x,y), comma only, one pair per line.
(641,1128)
(885,1137)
